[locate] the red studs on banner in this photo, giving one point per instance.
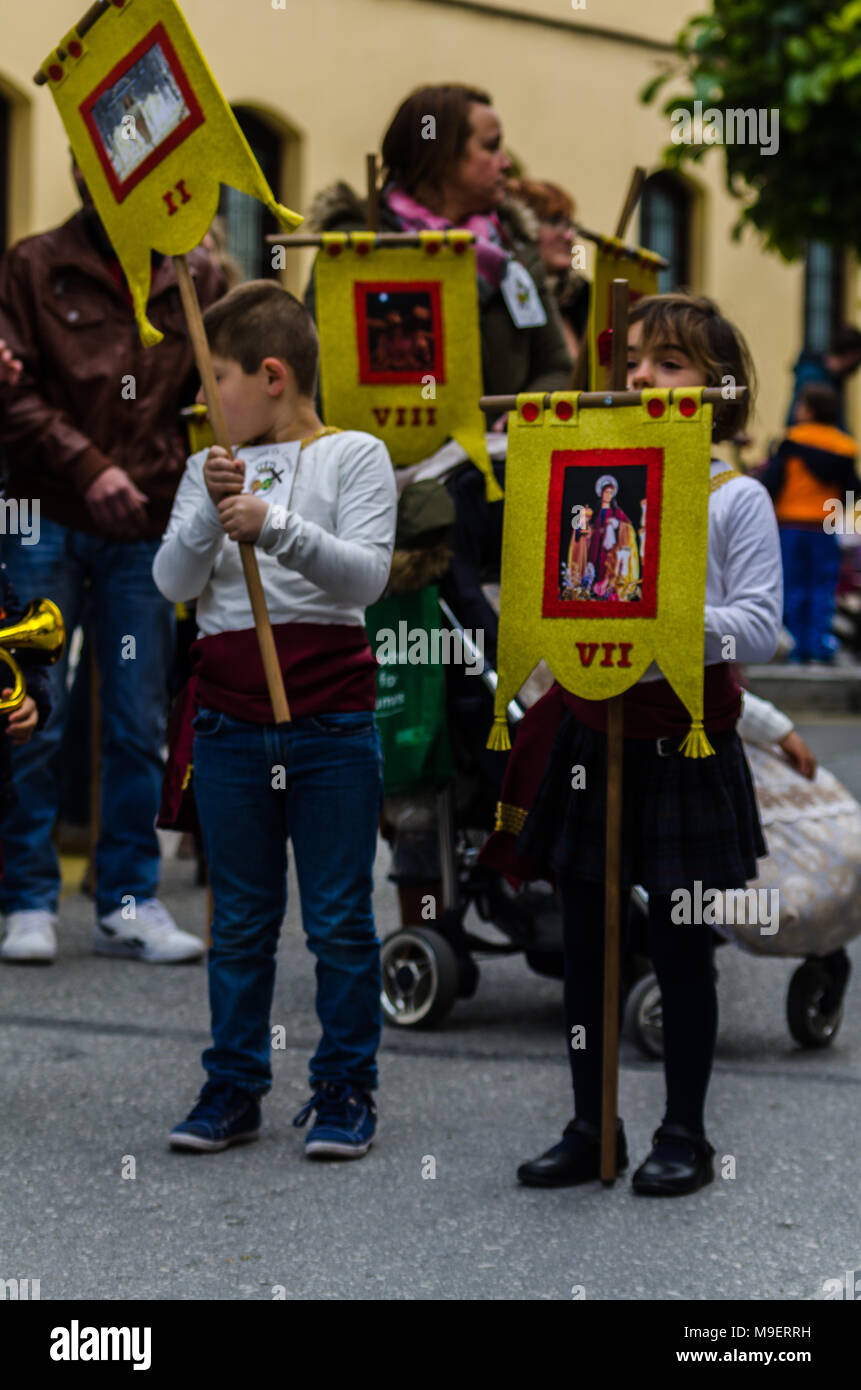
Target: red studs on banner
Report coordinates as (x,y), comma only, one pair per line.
(334,249)
(687,406)
(362,248)
(564,410)
(458,247)
(75,49)
(529,411)
(432,247)
(655,408)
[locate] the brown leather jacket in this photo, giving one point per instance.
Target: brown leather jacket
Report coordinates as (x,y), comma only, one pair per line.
(65,314)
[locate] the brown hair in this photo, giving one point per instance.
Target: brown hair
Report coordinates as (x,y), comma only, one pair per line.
(410,159)
(547,200)
(261,319)
(822,401)
(713,344)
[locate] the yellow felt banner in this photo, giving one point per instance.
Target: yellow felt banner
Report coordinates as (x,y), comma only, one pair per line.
(614,261)
(400,354)
(152,134)
(604,547)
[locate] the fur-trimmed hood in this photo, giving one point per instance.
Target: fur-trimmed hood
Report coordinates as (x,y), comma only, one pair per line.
(567,286)
(413,569)
(340,205)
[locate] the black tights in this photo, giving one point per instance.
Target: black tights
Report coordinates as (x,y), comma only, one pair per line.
(683,961)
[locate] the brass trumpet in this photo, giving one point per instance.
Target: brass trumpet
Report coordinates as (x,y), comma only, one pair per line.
(41,629)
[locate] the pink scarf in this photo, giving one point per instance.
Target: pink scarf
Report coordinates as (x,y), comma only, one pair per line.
(490,256)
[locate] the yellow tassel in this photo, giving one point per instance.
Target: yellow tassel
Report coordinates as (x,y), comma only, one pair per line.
(492,491)
(499,740)
(285,216)
(150,335)
(696,744)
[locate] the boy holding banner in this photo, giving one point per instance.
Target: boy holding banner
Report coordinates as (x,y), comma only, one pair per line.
(319,506)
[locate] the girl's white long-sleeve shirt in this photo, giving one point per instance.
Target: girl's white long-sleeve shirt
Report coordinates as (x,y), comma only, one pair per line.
(325,547)
(744,575)
(762,722)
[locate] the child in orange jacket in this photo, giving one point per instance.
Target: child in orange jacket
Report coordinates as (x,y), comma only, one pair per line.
(813,466)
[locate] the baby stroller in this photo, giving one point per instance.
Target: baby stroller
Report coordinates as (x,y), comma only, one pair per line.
(429,964)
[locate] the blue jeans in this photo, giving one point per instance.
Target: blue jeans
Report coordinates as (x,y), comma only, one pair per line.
(319,781)
(811,567)
(124,605)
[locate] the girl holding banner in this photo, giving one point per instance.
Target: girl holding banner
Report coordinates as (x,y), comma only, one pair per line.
(689,823)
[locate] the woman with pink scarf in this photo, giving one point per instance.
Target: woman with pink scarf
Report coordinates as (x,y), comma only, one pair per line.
(444,165)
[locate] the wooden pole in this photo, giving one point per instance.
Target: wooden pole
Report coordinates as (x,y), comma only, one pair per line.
(373,193)
(580,371)
(613,840)
(612,914)
(632,198)
(594,400)
(84,24)
(299,240)
(197,333)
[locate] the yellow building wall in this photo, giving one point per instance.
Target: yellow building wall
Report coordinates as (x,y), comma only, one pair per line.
(330,73)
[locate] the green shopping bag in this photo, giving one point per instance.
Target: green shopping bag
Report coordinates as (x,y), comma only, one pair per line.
(411,711)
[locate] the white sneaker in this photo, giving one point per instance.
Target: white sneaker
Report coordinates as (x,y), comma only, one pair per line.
(151,935)
(30,937)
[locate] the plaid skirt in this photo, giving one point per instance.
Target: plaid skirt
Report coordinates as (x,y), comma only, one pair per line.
(683,819)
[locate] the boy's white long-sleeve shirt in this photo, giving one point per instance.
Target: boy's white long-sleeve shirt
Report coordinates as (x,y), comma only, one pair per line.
(325,547)
(744,575)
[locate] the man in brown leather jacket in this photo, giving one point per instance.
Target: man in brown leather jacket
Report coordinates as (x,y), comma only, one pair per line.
(94,451)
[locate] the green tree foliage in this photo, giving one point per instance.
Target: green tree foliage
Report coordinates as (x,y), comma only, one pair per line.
(804,59)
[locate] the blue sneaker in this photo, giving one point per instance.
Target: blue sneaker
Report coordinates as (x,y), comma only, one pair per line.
(224,1115)
(345,1125)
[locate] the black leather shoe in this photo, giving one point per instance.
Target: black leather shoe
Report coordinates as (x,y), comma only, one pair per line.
(576,1158)
(680,1162)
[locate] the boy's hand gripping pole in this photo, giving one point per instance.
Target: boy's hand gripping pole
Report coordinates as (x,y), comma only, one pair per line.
(197,333)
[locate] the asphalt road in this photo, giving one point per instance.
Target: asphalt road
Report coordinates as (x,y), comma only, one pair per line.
(99,1058)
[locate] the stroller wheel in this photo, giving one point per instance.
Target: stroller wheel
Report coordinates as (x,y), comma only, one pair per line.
(421,977)
(812,1012)
(643,1017)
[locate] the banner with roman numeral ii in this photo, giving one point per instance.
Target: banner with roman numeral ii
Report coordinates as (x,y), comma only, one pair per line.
(400,354)
(152,135)
(604,547)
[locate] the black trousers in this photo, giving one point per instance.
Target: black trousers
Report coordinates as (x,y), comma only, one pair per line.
(684,964)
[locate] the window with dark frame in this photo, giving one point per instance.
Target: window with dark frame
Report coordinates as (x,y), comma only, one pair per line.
(665,215)
(824,285)
(248,221)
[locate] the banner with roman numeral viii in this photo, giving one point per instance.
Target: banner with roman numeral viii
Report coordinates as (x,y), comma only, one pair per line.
(400,354)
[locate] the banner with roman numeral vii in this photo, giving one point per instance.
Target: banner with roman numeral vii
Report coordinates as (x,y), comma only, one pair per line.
(604,545)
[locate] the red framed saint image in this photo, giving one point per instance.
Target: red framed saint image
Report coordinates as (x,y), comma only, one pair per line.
(603,533)
(140,112)
(399,332)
